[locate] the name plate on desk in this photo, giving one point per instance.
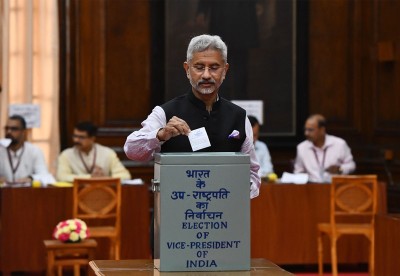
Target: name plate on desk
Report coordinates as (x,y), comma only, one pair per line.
(202,211)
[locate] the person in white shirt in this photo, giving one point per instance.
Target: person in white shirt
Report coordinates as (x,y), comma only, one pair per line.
(167,127)
(21,160)
(262,152)
(322,155)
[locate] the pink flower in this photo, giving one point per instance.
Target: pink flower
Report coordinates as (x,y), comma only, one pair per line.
(71,230)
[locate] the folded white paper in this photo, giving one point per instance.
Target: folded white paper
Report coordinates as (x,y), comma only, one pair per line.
(198,139)
(44,178)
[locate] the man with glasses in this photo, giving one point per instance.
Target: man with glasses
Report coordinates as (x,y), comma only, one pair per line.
(21,160)
(87,158)
(227,126)
(322,155)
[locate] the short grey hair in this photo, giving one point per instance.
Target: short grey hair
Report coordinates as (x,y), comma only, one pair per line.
(205,42)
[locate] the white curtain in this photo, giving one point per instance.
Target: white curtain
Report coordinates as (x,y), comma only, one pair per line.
(30,70)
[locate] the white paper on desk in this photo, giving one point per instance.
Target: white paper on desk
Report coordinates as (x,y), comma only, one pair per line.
(198,139)
(44,178)
(5,142)
(296,178)
(136,181)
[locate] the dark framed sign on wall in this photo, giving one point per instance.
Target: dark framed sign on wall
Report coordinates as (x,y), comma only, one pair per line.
(261,40)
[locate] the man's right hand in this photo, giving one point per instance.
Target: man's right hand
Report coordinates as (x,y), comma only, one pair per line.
(174,127)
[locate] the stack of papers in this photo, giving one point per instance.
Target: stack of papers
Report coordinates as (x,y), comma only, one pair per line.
(136,181)
(44,178)
(296,178)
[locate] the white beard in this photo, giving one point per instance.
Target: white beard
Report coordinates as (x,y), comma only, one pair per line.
(205,91)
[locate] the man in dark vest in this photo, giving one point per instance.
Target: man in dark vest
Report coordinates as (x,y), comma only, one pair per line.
(167,128)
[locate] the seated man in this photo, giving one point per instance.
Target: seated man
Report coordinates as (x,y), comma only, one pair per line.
(87,158)
(21,160)
(322,155)
(262,152)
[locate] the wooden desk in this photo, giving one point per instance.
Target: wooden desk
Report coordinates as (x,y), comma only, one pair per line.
(284,218)
(387,245)
(146,267)
(29,215)
(283,224)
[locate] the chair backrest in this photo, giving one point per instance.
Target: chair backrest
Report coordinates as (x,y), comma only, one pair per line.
(97,200)
(354,196)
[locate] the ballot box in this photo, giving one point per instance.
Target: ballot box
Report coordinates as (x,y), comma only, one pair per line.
(202,211)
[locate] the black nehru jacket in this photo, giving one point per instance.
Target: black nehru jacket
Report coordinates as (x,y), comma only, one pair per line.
(224,118)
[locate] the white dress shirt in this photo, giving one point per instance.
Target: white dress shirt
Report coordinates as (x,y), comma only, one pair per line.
(26,161)
(314,161)
(142,144)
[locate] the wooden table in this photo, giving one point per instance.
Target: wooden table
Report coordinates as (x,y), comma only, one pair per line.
(387,244)
(283,225)
(146,267)
(29,215)
(284,218)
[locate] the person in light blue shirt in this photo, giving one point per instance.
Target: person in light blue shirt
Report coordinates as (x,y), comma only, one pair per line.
(262,152)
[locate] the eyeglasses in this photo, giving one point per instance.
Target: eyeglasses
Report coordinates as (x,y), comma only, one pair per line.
(12,128)
(213,69)
(80,137)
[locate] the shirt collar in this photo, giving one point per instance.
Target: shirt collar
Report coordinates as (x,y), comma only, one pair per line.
(84,154)
(328,143)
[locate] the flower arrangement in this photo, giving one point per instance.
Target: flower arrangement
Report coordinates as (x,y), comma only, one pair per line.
(71,230)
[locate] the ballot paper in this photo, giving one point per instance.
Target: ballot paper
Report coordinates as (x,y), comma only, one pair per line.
(198,139)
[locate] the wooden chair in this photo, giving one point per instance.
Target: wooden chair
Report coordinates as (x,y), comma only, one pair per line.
(353,205)
(97,201)
(61,254)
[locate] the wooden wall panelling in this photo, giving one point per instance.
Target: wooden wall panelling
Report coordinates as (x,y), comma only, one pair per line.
(334,74)
(90,60)
(386,131)
(127,62)
(387,96)
(349,82)
(105,69)
(106,64)
(335,71)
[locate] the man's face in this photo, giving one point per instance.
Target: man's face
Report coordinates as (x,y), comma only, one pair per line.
(14,131)
(82,140)
(312,132)
(256,131)
(206,71)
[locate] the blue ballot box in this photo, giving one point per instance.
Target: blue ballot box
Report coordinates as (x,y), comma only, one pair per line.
(202,211)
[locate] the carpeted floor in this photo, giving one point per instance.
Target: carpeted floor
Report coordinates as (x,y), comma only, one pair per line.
(329,274)
(312,270)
